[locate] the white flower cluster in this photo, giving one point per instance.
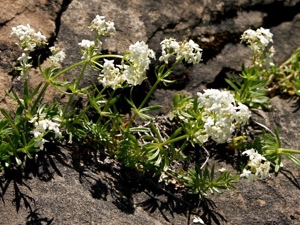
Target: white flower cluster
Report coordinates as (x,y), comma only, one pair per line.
(57,55)
(189,51)
(86,44)
(111,75)
(220,115)
(103,28)
(139,60)
(258,41)
(257,167)
(134,72)
(90,48)
(42,127)
(25,64)
(28,39)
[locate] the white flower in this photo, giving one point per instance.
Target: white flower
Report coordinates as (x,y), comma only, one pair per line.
(87,48)
(39,38)
(198,220)
(86,44)
(222,170)
(111,75)
(220,114)
(264,35)
(57,55)
(261,37)
(138,56)
(246,173)
(22,33)
(169,47)
(42,127)
(28,39)
(217,116)
(102,27)
(257,167)
(24,59)
(263,170)
(258,41)
(39,142)
(110,28)
(189,51)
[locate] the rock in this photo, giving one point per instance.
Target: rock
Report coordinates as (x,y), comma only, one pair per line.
(41,15)
(58,189)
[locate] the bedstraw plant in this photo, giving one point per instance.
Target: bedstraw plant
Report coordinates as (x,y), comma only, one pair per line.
(139,140)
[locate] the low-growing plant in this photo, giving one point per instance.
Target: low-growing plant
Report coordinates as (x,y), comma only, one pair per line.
(263,79)
(138,140)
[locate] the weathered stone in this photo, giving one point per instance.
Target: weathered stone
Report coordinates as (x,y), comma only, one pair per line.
(40,15)
(67,192)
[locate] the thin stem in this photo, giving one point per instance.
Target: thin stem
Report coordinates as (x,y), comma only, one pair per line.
(170,141)
(67,106)
(291,151)
(160,77)
(106,56)
(76,86)
(153,88)
(69,68)
(81,75)
(41,94)
(83,62)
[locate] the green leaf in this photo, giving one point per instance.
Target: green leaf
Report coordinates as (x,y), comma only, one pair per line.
(154,155)
(232,85)
(154,107)
(139,129)
(293,159)
(10,120)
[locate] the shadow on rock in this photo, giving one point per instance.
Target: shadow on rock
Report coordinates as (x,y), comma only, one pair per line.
(43,166)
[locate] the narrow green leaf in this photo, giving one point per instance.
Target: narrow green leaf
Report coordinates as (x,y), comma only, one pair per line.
(154,155)
(293,159)
(232,84)
(139,129)
(154,107)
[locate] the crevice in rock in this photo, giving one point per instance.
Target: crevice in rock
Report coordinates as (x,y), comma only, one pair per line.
(5,22)
(217,43)
(63,8)
(44,52)
(217,16)
(277,12)
(219,81)
(168,26)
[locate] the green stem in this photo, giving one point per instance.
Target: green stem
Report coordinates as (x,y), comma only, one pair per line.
(69,68)
(291,151)
(76,86)
(41,94)
(106,56)
(67,106)
(81,75)
(153,88)
(167,142)
(111,95)
(83,62)
(160,77)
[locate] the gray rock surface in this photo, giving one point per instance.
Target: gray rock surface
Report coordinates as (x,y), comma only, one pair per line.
(63,191)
